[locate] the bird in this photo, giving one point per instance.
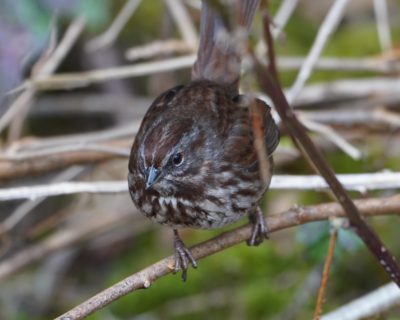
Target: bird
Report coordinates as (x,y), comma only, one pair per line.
(193,163)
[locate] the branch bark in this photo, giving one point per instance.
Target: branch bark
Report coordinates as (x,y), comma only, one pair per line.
(293,217)
(10,169)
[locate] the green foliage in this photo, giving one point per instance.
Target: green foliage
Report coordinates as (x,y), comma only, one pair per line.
(97,13)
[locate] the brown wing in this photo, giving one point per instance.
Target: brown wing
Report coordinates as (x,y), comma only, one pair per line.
(271,131)
(239,146)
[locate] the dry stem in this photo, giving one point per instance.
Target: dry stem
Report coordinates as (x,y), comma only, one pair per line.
(325,274)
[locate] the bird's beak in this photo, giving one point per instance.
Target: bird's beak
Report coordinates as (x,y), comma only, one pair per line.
(152,176)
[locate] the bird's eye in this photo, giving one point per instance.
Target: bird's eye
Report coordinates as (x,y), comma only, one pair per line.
(177,159)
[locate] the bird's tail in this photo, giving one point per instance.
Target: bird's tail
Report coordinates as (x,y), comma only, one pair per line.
(221,27)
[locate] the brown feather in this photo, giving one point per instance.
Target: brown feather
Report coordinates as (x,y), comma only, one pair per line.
(219,60)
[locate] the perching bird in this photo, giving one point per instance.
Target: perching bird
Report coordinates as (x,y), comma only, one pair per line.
(193,162)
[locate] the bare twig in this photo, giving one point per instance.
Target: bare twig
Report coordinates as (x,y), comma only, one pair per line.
(22,210)
(361,86)
(64,238)
(328,26)
(350,88)
(156,48)
(280,20)
(325,274)
(37,165)
(16,124)
(387,116)
(343,64)
(320,165)
(382,24)
(183,22)
(82,146)
(144,278)
(22,102)
(333,136)
(369,306)
(364,117)
(111,34)
(83,79)
(283,15)
(357,182)
(109,136)
(298,134)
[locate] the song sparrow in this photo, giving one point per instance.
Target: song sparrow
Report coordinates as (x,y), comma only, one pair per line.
(193,162)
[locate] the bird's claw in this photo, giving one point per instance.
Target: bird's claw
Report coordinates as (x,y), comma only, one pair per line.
(182,256)
(260,229)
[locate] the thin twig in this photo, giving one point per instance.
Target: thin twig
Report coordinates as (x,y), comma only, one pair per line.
(22,210)
(64,238)
(34,161)
(157,48)
(283,15)
(350,117)
(350,88)
(17,123)
(361,86)
(357,182)
(35,166)
(319,164)
(269,41)
(368,306)
(328,26)
(66,148)
(332,136)
(280,20)
(183,22)
(325,274)
(111,34)
(322,129)
(144,278)
(382,24)
(83,79)
(108,136)
(22,102)
(343,64)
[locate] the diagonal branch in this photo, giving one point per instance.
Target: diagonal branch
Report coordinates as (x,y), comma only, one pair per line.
(291,218)
(320,165)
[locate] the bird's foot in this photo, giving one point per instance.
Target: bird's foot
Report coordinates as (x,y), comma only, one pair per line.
(182,256)
(260,229)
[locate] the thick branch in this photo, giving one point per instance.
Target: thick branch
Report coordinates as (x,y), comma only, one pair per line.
(296,216)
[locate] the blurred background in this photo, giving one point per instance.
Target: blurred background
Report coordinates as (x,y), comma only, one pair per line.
(56,252)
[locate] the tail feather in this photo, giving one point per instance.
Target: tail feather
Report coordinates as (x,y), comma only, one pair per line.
(218,57)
